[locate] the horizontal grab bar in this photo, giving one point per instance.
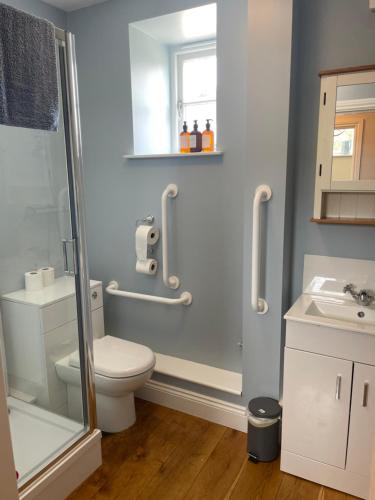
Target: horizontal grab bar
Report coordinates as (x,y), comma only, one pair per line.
(185,298)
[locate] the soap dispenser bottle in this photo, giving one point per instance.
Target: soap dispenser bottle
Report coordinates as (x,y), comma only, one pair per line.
(208,138)
(185,140)
(195,139)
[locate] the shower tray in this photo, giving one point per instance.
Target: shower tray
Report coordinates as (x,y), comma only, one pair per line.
(37,436)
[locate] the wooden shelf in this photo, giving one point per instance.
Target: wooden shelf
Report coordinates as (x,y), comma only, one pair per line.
(350,69)
(172,155)
(353,222)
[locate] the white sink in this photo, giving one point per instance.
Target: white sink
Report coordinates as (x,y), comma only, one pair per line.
(342,310)
(323,301)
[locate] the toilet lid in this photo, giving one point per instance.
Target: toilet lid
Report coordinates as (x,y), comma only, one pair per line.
(118,358)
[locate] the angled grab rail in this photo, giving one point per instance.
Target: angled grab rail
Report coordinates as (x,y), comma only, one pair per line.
(262,193)
(171,191)
(185,298)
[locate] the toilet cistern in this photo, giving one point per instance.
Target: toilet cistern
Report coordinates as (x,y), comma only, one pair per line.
(363,297)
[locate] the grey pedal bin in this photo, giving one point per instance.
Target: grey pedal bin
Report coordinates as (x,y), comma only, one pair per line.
(263,430)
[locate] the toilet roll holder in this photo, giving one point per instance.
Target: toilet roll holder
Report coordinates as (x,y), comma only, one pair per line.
(148,220)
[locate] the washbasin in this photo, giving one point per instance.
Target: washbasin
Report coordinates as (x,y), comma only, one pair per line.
(342,310)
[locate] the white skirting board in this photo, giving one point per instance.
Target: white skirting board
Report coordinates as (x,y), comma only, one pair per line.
(193,403)
(199,373)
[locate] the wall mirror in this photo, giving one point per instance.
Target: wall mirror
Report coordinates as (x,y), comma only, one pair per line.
(173,77)
(354,136)
(345,170)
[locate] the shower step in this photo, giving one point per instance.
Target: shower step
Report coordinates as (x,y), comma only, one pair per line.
(199,373)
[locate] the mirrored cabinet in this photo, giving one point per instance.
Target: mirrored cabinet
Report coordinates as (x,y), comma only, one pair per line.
(345,167)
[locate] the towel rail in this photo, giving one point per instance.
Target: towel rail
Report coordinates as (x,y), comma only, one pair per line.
(171,191)
(185,298)
(262,193)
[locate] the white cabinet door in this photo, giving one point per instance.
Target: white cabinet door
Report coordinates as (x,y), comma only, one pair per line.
(316,404)
(362,420)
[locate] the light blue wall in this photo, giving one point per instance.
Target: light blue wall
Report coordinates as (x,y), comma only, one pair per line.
(269,68)
(212,214)
(208,216)
(150,93)
(329,34)
(32,174)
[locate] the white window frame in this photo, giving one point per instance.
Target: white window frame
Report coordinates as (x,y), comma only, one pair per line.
(178,56)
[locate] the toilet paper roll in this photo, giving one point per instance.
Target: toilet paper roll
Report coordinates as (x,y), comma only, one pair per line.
(145,236)
(149,266)
(48,274)
(33,281)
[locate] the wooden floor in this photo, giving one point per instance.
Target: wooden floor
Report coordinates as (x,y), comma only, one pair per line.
(169,455)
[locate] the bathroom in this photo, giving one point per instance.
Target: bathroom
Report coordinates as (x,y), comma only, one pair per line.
(106,212)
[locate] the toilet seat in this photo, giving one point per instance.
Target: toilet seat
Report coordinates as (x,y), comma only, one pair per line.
(117,358)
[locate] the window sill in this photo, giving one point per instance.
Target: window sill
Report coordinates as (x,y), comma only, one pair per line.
(172,155)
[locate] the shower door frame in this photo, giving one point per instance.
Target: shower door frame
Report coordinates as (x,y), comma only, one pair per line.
(72,126)
(72,129)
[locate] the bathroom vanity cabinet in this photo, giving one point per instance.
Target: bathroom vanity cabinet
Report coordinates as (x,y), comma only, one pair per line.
(39,329)
(329,406)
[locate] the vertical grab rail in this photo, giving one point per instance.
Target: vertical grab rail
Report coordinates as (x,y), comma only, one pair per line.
(171,191)
(262,193)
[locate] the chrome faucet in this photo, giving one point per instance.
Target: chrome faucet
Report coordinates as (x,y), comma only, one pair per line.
(363,297)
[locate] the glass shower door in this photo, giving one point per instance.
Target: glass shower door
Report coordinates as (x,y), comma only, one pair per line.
(44,319)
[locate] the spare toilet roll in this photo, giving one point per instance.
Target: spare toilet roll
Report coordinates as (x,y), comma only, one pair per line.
(145,236)
(48,274)
(149,266)
(33,281)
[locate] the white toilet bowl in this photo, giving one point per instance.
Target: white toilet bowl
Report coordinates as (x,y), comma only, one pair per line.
(121,367)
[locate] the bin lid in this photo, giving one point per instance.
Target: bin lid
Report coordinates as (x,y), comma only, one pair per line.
(264,408)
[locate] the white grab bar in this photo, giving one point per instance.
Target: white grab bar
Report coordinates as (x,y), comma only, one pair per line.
(171,191)
(262,193)
(185,298)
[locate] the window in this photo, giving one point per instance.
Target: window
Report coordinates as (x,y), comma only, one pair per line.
(196,82)
(173,77)
(347,147)
(343,144)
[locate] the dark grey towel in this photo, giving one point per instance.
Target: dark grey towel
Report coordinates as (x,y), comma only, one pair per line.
(28,72)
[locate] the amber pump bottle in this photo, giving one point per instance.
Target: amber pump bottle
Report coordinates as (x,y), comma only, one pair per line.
(195,139)
(185,140)
(208,138)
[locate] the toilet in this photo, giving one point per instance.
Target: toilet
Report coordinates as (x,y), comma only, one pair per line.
(121,367)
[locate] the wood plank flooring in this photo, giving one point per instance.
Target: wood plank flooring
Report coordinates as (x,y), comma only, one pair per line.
(168,455)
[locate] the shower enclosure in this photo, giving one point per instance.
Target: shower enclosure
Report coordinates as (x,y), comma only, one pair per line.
(41,223)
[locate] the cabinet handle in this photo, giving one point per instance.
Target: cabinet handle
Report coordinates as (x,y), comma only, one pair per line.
(365,394)
(94,295)
(338,387)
